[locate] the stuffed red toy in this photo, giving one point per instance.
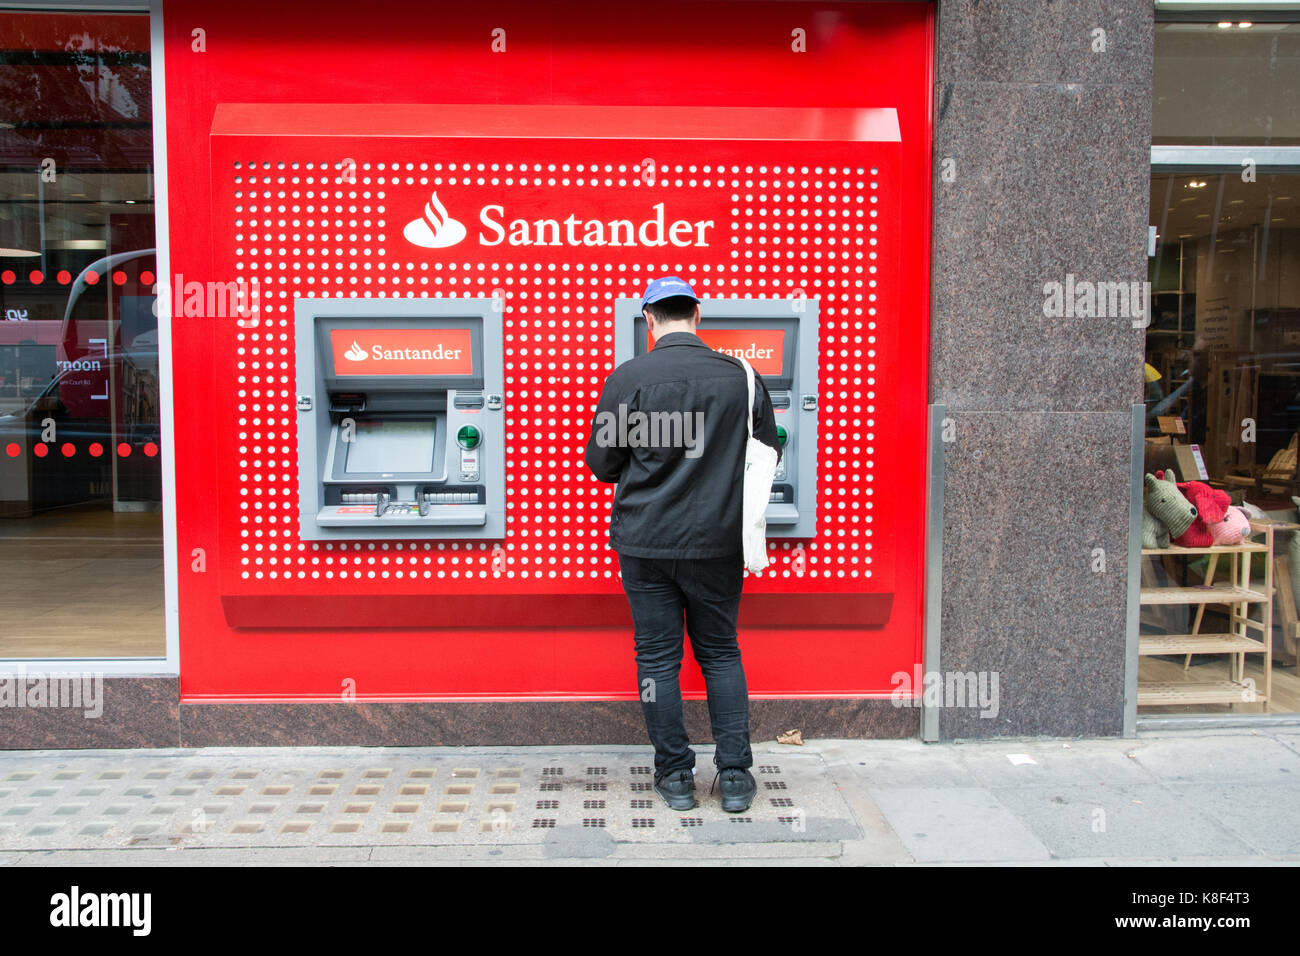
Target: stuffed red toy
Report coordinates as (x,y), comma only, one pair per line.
(1211,508)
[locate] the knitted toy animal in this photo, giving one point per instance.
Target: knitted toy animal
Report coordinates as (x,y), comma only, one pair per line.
(1211,506)
(1233,529)
(1166,513)
(1154,534)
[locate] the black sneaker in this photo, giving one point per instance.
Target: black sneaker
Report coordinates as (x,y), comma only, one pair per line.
(738,789)
(678,790)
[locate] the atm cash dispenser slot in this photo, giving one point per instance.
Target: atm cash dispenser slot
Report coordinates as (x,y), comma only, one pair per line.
(401,419)
(779,338)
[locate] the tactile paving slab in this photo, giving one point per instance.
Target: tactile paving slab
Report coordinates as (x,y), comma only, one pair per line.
(325,797)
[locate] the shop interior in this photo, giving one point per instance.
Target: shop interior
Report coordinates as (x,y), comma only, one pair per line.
(80,466)
(1223,413)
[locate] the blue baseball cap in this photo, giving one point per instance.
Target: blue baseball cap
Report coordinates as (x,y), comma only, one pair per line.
(665,288)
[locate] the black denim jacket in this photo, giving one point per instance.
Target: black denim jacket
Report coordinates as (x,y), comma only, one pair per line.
(670,431)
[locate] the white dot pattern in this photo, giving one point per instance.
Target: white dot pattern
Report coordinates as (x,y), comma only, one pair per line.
(319,227)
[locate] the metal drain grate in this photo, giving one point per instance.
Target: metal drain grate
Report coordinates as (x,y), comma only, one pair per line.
(543,823)
(593,804)
(692,821)
(641,787)
(553,771)
(597,822)
(642,804)
(781,802)
(774,784)
(639,770)
(642,823)
(769,768)
(551,786)
(594,771)
(742,819)
(600,786)
(548,804)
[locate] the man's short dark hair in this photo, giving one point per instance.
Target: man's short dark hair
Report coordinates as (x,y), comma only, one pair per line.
(675,308)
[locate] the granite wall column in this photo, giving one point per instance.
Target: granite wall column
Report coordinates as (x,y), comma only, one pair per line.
(1041,176)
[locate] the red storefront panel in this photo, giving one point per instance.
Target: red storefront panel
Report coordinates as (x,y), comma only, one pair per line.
(555,178)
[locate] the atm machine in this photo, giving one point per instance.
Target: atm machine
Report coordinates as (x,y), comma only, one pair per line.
(401,420)
(778,337)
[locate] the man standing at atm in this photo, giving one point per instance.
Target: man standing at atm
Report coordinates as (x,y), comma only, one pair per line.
(676,526)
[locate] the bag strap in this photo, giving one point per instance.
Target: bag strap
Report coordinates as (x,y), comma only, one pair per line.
(749,409)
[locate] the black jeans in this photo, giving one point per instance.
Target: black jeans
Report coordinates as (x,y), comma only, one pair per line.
(706,594)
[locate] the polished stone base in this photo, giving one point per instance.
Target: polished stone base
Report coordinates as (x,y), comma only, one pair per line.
(502,723)
(134,712)
(146,712)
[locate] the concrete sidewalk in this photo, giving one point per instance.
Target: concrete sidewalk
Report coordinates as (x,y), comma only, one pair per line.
(1208,796)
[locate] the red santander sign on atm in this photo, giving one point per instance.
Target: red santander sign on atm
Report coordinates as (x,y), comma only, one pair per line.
(402,351)
(764,349)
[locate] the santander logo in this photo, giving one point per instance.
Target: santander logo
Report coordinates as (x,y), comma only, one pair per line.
(436,229)
(405,351)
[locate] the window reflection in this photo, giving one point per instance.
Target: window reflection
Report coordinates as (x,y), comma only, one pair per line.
(80,446)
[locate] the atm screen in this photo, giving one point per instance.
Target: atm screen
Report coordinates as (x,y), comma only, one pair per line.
(392,447)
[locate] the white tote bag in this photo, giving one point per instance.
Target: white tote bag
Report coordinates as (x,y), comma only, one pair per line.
(760,469)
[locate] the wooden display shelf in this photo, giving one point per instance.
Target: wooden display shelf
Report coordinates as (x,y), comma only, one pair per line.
(1174,549)
(1241,598)
(1150,644)
(1202,594)
(1166,693)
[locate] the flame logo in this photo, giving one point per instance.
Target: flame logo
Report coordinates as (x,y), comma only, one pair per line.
(356,353)
(436,229)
